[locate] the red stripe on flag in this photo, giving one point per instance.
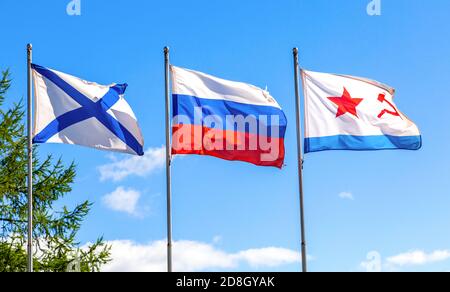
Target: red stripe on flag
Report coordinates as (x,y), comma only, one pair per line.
(198,140)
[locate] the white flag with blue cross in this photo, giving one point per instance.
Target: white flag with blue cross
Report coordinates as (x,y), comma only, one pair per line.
(70,110)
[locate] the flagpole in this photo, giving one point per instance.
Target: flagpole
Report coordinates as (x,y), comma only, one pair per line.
(300,161)
(30,159)
(168,163)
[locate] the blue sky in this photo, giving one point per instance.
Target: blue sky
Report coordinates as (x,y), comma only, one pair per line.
(232,211)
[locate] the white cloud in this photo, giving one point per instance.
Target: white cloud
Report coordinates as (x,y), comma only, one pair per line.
(154,159)
(346,196)
(269,257)
(191,256)
(418,257)
(123,200)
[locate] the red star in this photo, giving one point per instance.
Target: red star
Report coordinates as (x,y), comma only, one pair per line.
(346,104)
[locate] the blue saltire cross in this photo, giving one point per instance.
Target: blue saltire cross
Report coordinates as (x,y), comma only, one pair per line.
(88,109)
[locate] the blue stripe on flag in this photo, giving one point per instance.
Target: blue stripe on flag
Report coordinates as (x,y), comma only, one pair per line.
(347,142)
(184,105)
(61,123)
(63,85)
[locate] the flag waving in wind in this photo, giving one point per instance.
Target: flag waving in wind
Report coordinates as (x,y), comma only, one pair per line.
(351,113)
(226,119)
(73,111)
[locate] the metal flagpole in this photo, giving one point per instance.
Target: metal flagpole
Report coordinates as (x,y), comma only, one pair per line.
(30,160)
(168,163)
(300,161)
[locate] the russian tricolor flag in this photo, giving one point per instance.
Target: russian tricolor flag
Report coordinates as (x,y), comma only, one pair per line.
(226,119)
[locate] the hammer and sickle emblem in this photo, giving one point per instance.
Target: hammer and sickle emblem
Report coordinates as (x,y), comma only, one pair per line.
(393,112)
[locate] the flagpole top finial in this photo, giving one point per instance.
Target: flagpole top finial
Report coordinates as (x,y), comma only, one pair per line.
(166,49)
(295,50)
(29,46)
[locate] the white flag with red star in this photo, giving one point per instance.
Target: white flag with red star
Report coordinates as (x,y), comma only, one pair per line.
(351,113)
